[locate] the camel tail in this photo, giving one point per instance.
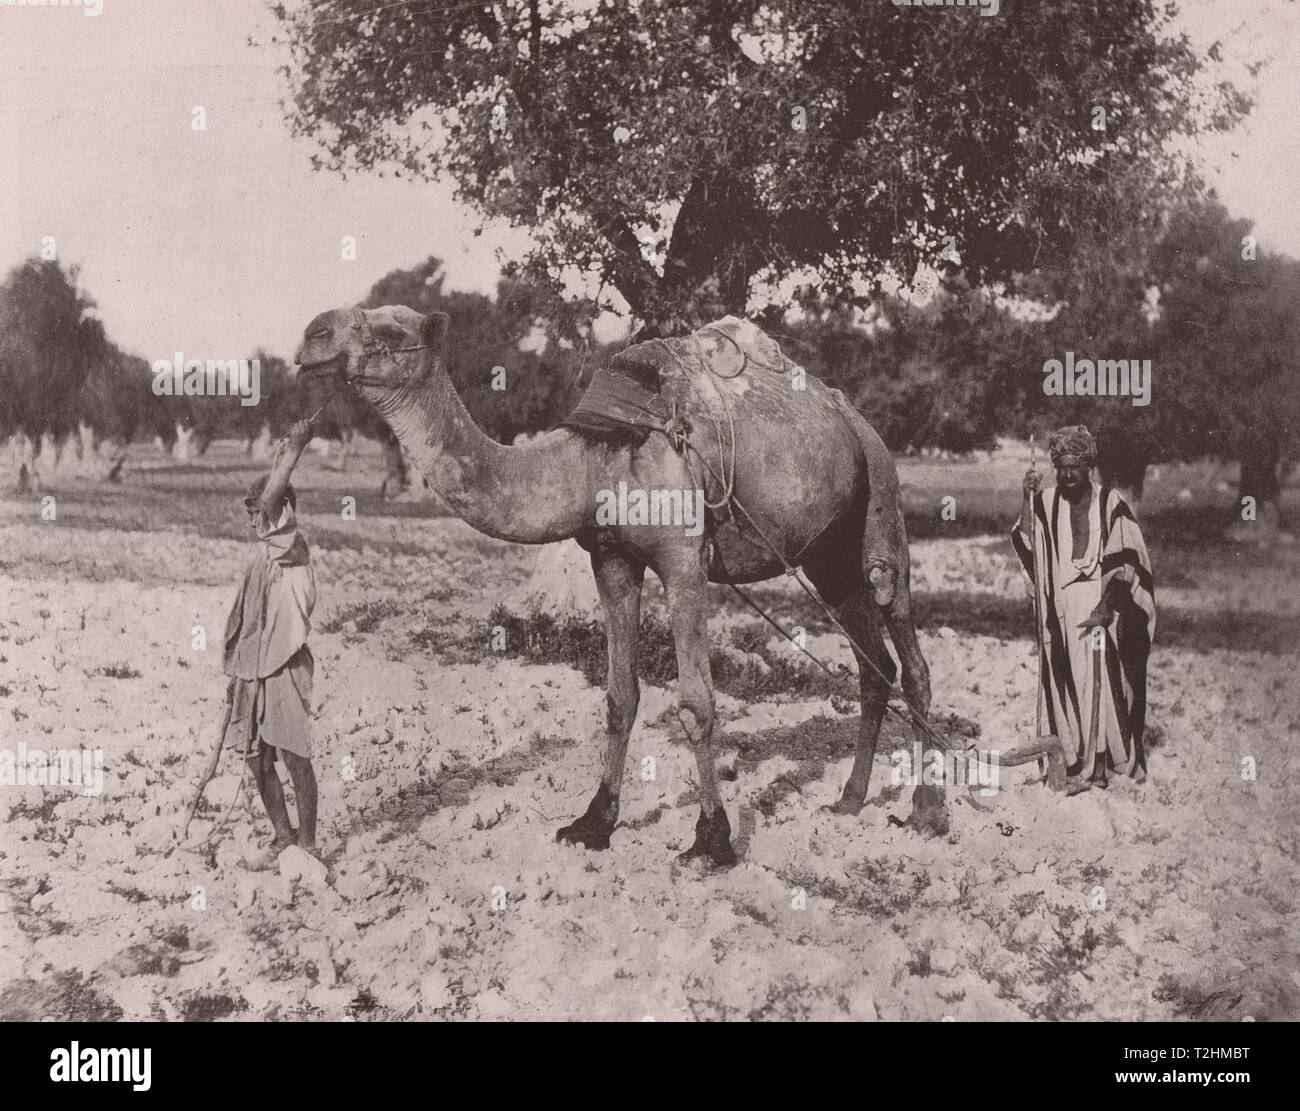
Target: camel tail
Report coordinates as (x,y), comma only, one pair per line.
(885,562)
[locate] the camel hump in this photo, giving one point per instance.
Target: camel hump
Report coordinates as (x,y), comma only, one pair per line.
(725,348)
(637,391)
(749,341)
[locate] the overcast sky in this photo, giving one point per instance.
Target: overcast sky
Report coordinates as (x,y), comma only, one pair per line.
(219,241)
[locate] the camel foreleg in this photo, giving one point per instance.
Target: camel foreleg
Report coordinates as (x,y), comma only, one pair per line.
(619,581)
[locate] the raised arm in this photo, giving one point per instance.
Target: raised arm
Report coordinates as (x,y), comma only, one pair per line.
(287,452)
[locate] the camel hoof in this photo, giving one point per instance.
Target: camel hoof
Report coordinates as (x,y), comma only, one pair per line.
(580,833)
(712,840)
(928,821)
(929,816)
(844,806)
(592,830)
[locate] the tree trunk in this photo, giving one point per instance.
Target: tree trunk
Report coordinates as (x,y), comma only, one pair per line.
(261,445)
(114,454)
(561,586)
(1261,480)
(1122,463)
(49,453)
(22,457)
(101,458)
(181,449)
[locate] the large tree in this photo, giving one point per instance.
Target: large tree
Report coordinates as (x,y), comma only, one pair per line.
(689,155)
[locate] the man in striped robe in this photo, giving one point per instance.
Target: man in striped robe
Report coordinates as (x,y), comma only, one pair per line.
(1084,554)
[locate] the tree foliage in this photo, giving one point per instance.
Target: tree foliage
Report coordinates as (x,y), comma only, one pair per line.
(50,339)
(737,143)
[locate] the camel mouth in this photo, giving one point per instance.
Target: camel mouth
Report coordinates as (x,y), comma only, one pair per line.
(320,368)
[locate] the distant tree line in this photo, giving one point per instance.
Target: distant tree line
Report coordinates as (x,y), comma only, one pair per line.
(65,386)
(1217,315)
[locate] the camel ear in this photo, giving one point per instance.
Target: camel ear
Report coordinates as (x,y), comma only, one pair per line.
(433,332)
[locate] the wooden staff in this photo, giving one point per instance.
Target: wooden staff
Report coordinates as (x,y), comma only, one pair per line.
(1048,743)
(213,760)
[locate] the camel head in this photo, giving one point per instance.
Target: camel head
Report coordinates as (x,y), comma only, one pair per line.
(378,351)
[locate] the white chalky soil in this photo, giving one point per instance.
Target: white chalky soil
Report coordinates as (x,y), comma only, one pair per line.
(450,897)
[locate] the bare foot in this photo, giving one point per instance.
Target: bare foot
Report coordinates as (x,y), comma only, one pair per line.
(265,860)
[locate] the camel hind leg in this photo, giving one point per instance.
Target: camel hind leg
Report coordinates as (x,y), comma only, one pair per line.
(929,814)
(844,591)
(887,565)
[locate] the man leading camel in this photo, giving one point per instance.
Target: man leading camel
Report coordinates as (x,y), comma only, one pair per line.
(266,653)
(1097,608)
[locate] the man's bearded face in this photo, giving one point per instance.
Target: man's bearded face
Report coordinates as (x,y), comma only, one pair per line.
(1071,473)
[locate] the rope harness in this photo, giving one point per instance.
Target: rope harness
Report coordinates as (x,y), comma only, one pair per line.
(372,346)
(678,433)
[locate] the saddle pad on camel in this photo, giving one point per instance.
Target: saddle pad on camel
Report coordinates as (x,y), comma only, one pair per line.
(624,399)
(615,403)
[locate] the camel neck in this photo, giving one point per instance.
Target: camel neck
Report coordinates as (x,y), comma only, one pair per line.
(534,493)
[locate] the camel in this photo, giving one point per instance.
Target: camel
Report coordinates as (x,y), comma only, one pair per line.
(816,479)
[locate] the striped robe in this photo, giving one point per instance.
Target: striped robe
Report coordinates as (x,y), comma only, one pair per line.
(1094,700)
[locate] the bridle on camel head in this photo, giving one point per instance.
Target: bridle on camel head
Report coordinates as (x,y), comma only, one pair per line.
(370,345)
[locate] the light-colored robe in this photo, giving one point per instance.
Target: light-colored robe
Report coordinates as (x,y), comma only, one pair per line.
(1093,694)
(266,653)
